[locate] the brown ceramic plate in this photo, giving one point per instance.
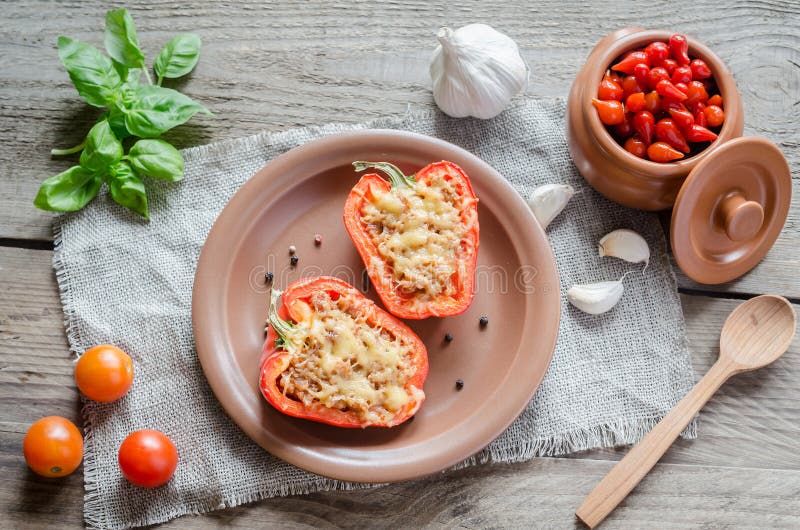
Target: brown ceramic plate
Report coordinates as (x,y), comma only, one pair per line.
(302,193)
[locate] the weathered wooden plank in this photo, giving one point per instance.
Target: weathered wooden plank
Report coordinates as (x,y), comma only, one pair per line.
(274,66)
(540,494)
(746,453)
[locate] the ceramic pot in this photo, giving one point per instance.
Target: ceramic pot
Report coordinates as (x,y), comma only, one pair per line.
(610,169)
(729,202)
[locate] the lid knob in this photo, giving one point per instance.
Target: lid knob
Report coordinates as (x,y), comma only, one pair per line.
(742,218)
(730,210)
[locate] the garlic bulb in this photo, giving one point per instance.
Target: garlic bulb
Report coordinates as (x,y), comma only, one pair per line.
(625,244)
(548,201)
(595,298)
(476,70)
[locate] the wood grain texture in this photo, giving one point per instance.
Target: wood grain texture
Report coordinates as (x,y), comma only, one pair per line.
(275,65)
(743,470)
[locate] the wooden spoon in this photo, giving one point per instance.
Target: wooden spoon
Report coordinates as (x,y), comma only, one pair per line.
(755,334)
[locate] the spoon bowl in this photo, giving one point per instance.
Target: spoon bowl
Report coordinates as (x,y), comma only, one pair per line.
(758,332)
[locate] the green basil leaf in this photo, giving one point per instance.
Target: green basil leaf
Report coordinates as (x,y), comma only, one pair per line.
(121,41)
(68,191)
(116,120)
(102,150)
(129,76)
(91,72)
(121,69)
(178,57)
(127,189)
(157,158)
(157,110)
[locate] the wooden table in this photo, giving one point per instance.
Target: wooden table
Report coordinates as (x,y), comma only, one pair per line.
(295,63)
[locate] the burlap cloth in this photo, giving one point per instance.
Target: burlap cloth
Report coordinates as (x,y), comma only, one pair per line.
(128,282)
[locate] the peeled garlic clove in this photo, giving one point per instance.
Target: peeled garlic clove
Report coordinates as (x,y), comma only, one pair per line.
(595,298)
(476,70)
(548,201)
(625,244)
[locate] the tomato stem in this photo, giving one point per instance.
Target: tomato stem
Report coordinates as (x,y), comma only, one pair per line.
(282,328)
(396,176)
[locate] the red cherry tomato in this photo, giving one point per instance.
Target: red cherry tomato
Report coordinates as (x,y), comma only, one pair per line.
(714,116)
(657,52)
(681,115)
(614,77)
(716,99)
(668,90)
(635,102)
(53,447)
(627,64)
(644,124)
(670,65)
(657,74)
(682,74)
(148,458)
(609,90)
(104,373)
(652,102)
(642,74)
(667,131)
(699,112)
(630,85)
(679,47)
(698,133)
(624,129)
(636,147)
(696,93)
(700,69)
(662,152)
(610,112)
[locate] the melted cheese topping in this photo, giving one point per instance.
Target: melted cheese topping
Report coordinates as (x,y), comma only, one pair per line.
(418,231)
(339,361)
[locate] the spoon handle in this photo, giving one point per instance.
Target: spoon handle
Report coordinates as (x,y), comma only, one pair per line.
(644,455)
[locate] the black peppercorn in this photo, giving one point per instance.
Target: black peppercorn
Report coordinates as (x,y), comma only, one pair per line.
(484,321)
(448,337)
(459,384)
(268,277)
(294,259)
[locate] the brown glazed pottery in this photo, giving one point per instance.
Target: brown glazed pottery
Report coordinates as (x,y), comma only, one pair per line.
(610,169)
(729,201)
(301,194)
(730,210)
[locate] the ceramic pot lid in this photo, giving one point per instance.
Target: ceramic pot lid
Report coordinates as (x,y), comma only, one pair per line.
(730,210)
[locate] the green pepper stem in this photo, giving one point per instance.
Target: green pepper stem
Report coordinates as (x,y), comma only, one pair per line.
(396,176)
(282,328)
(62,152)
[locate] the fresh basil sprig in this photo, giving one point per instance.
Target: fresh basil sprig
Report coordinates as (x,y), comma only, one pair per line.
(133,110)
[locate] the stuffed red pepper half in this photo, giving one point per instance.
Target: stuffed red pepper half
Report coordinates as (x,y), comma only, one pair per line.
(333,356)
(418,237)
